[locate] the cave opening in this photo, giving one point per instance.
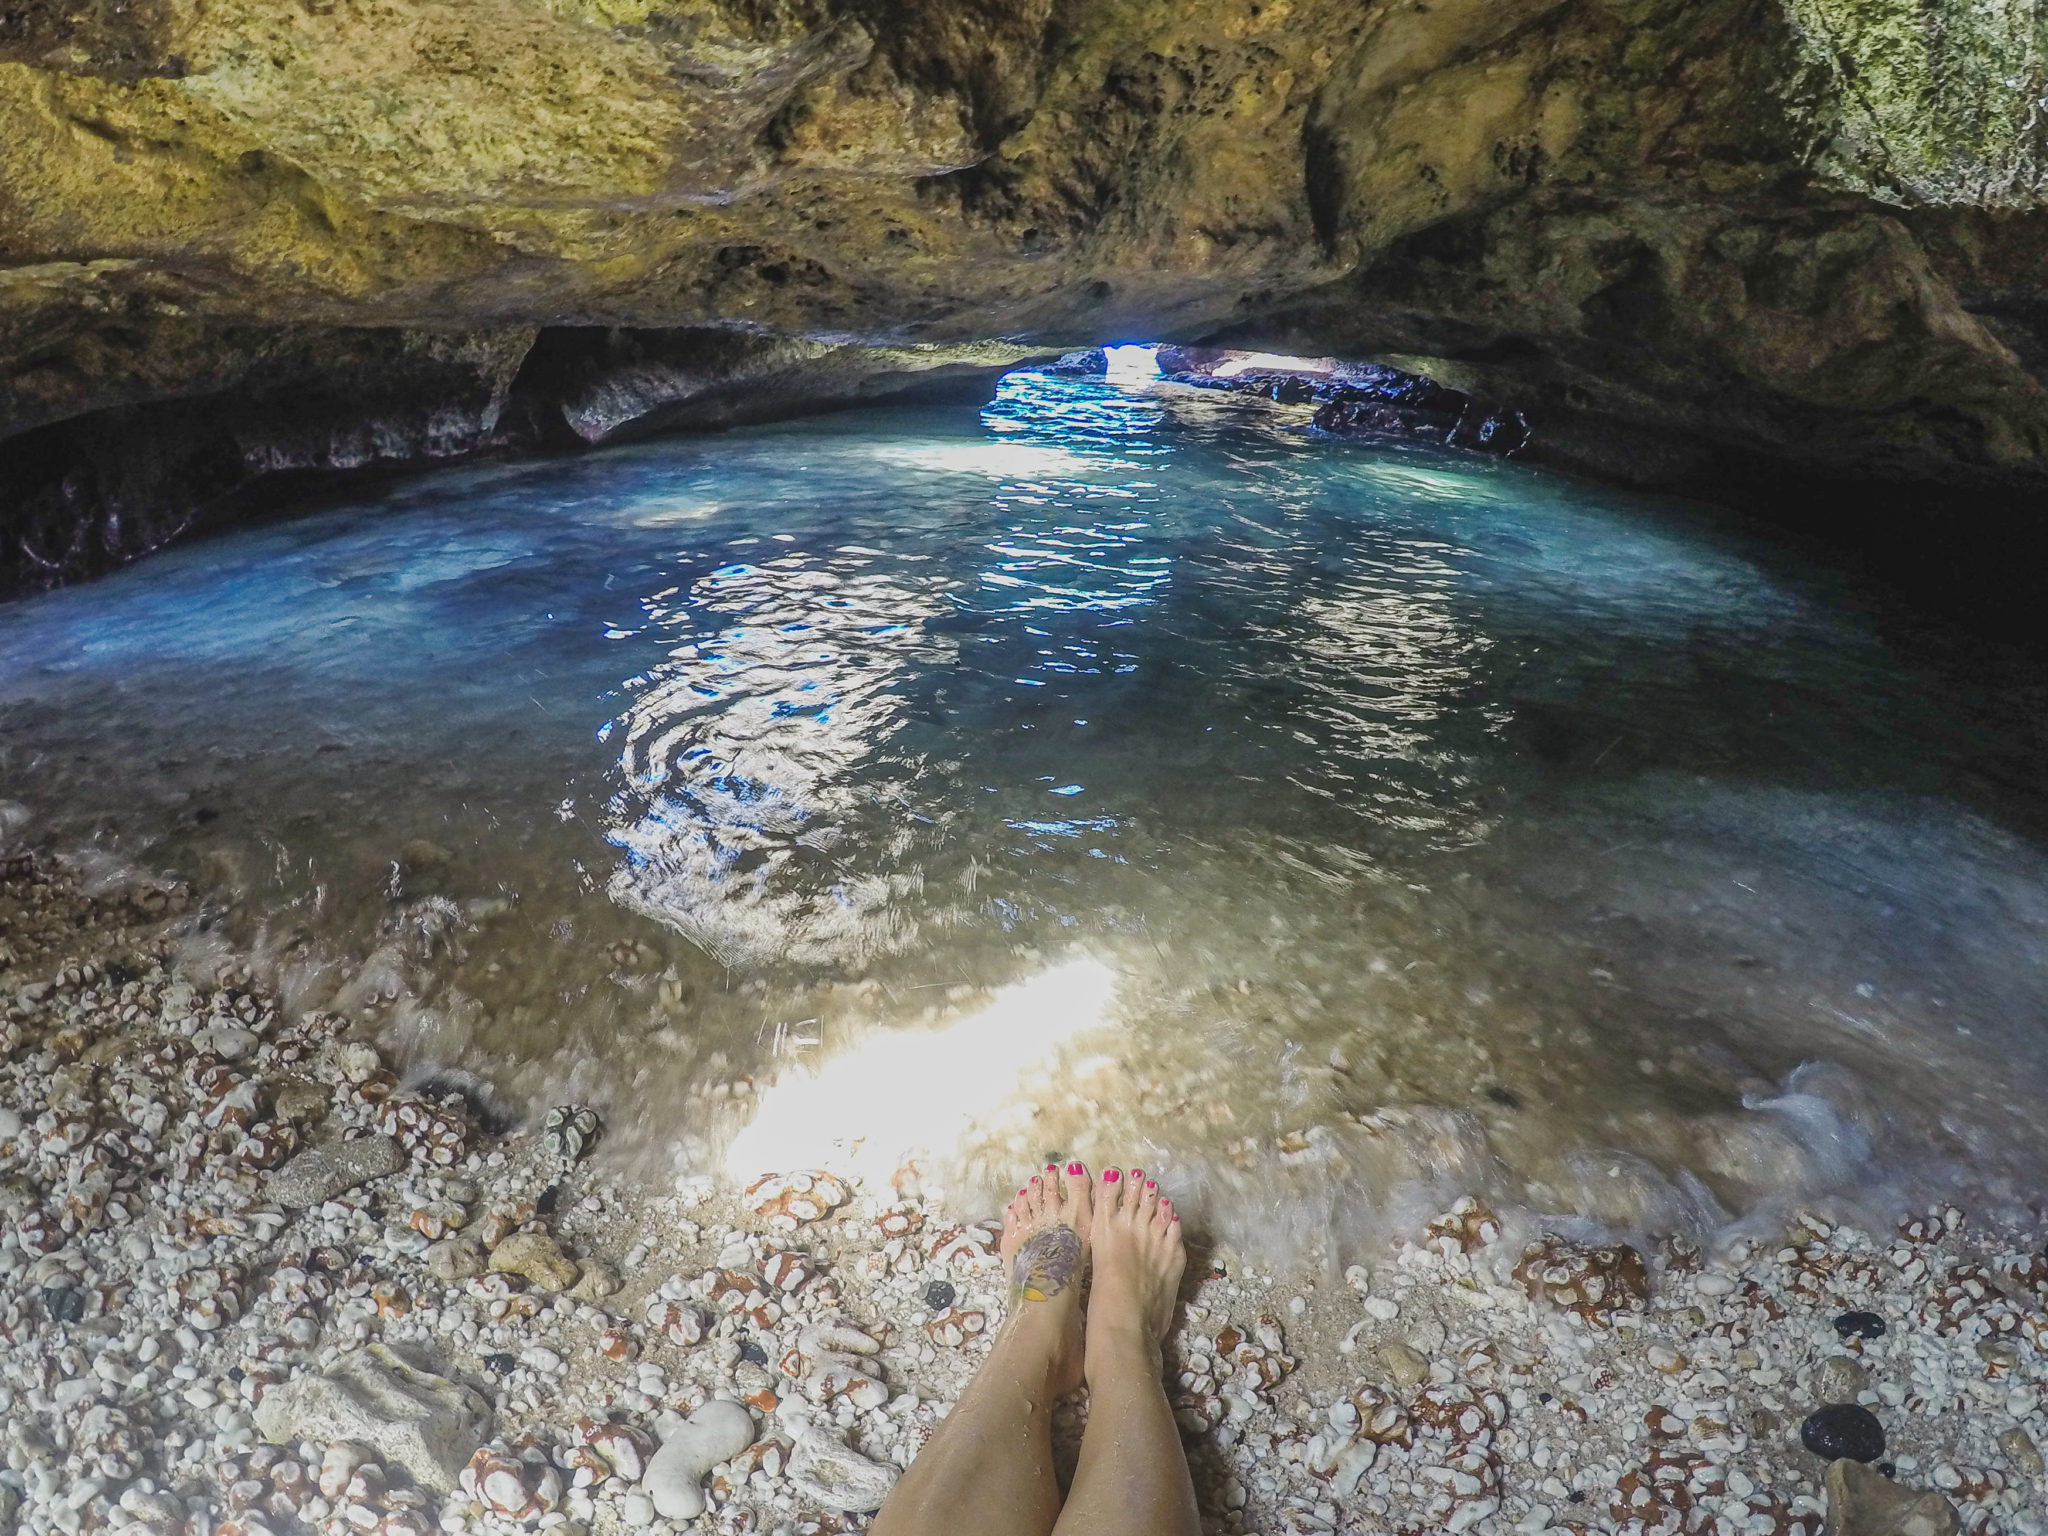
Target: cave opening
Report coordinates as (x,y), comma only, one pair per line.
(648,840)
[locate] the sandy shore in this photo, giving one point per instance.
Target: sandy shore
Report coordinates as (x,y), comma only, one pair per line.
(249,1283)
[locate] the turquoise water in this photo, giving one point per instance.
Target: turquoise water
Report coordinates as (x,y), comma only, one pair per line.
(1412,820)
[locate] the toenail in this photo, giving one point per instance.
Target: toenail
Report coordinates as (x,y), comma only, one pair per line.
(1151,1183)
(1137,1173)
(1110,1175)
(1073,1167)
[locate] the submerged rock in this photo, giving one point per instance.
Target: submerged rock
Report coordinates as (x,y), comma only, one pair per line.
(321,1173)
(536,1257)
(454,1259)
(1843,1430)
(1406,1366)
(597,1281)
(1840,1380)
(424,1423)
(1864,1502)
(2019,1448)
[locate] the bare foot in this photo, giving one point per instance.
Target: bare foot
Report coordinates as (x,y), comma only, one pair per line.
(1138,1258)
(1045,1247)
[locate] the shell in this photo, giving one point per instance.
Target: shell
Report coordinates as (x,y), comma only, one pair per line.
(787,1201)
(1589,1283)
(568,1130)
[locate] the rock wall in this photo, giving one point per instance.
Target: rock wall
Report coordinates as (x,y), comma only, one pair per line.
(1811,231)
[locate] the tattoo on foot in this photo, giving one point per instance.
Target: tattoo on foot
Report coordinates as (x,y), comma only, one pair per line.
(1046,1265)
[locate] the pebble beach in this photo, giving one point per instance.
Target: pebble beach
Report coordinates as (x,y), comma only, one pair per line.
(253,1283)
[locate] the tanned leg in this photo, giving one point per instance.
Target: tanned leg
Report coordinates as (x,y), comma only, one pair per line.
(988,1468)
(1133,1475)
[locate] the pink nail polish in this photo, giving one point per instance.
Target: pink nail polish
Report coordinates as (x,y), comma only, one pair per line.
(1110,1175)
(1137,1173)
(1151,1183)
(1073,1167)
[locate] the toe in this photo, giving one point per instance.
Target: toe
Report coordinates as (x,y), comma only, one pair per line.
(1111,1194)
(1134,1194)
(1055,1189)
(1075,1182)
(1148,1197)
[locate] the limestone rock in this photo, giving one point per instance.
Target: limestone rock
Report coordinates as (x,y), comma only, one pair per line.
(1810,231)
(597,1281)
(301,1101)
(321,1173)
(2020,1450)
(454,1260)
(1864,1502)
(826,1470)
(1405,1365)
(536,1257)
(1840,1379)
(424,1423)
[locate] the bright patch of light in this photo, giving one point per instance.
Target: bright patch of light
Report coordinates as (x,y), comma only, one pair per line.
(670,514)
(1131,365)
(1256,362)
(906,1092)
(1001,461)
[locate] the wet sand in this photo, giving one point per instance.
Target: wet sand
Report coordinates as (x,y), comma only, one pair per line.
(169,1310)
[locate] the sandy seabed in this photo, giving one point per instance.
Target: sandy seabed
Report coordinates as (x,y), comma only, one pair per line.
(250,1283)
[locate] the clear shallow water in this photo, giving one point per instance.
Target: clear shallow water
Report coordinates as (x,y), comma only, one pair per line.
(1119,772)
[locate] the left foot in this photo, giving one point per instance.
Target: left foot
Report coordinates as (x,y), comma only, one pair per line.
(1139,1256)
(1045,1248)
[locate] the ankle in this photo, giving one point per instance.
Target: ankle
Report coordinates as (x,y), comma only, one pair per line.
(1123,1345)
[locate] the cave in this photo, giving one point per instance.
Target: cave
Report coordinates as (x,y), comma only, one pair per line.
(1386,655)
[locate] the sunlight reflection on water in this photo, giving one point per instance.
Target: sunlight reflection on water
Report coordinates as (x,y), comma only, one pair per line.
(1431,819)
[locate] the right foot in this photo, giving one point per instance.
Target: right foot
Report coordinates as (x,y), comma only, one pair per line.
(1138,1259)
(1045,1248)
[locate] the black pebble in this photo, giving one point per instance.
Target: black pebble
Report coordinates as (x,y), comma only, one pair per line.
(939,1295)
(1843,1429)
(544,1203)
(1860,1325)
(754,1353)
(64,1303)
(1888,1468)
(1542,1397)
(504,1365)
(1576,1496)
